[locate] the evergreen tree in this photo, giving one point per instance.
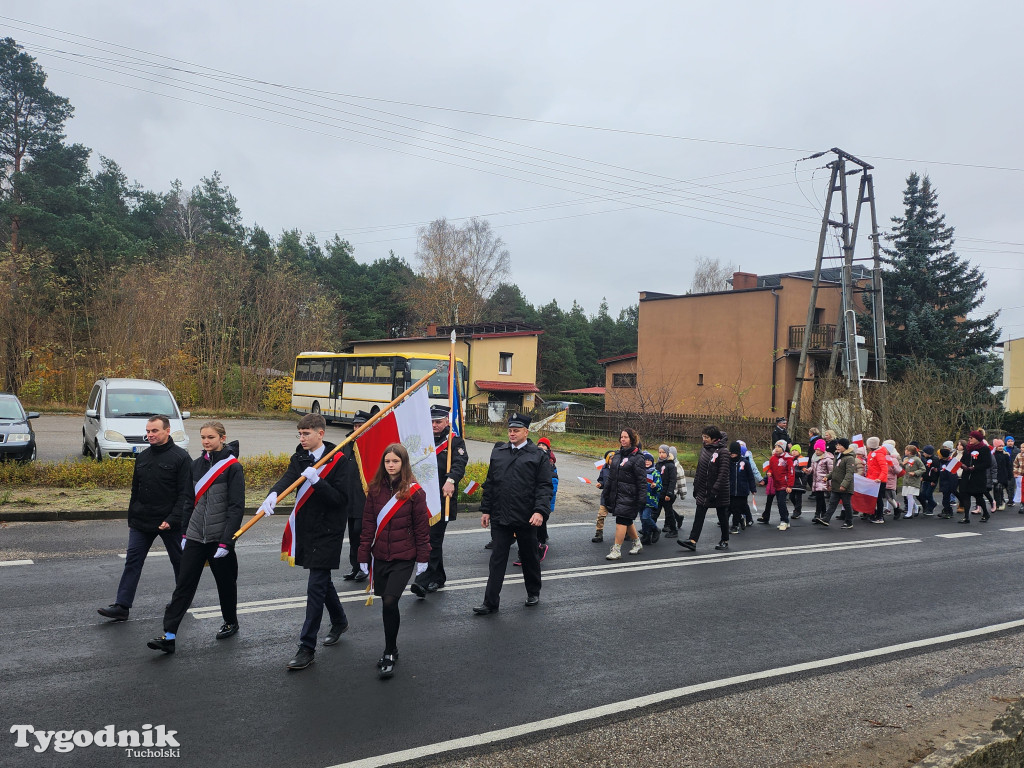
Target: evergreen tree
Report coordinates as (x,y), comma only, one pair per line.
(930,293)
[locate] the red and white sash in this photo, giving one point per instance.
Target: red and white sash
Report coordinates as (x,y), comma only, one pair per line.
(387,512)
(218,469)
(288,539)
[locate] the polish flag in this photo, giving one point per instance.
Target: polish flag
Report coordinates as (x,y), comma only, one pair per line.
(407,423)
(473,487)
(584,480)
(857,440)
(599,464)
(953,466)
(765,466)
(865,494)
(803,461)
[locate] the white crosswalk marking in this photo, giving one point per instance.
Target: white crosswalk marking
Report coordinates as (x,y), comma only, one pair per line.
(16,562)
(1018,529)
(955,535)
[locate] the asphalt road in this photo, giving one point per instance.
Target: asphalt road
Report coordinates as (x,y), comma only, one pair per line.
(603,634)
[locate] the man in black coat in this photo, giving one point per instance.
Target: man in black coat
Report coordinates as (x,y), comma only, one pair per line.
(780,432)
(516,502)
(162,494)
(356,501)
(434,577)
(973,483)
(711,487)
(319,528)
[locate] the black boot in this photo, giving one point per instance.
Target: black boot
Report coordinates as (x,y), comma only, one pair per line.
(598,537)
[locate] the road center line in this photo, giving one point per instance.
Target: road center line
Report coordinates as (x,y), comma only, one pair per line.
(594,713)
(597,569)
(16,562)
(1013,530)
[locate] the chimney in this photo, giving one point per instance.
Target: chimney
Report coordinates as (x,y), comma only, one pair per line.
(431,329)
(742,281)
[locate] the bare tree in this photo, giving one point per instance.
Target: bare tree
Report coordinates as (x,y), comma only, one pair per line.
(710,275)
(461,267)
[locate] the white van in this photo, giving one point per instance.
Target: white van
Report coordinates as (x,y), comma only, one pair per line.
(116,415)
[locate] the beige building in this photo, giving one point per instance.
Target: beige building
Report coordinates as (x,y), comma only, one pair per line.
(732,351)
(1013,374)
(501,358)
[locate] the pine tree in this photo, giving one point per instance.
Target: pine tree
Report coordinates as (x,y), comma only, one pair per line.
(930,293)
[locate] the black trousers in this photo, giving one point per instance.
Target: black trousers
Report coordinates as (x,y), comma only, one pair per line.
(320,593)
(225,571)
(503,536)
(740,510)
(435,565)
(139,543)
(355,530)
(698,522)
(837,498)
(671,525)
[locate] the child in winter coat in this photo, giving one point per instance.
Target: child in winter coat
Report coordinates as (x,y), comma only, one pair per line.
(741,485)
(915,469)
(602,484)
(800,464)
(930,480)
(822,464)
(947,483)
(666,468)
(649,533)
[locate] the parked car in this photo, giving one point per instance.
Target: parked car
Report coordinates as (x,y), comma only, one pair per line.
(116,415)
(17,438)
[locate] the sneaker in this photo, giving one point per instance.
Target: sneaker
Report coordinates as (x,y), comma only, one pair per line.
(517,562)
(734,530)
(823,521)
(796,515)
(615,554)
(114,611)
(671,534)
(928,514)
(878,522)
(302,659)
(816,520)
(846,526)
(762,521)
(543,551)
(783,526)
(638,547)
(161,644)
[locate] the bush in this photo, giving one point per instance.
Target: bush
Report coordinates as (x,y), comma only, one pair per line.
(260,471)
(1013,423)
(278,395)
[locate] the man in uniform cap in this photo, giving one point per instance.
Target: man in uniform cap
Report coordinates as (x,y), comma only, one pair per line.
(434,577)
(516,502)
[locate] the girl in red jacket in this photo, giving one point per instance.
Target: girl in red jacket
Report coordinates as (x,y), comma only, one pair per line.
(395,540)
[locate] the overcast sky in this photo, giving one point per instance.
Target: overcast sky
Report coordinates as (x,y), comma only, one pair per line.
(737,93)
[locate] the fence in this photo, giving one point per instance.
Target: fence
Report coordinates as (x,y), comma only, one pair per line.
(668,426)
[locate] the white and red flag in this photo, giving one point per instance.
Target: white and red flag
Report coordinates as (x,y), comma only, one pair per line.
(407,423)
(473,487)
(865,494)
(857,440)
(953,465)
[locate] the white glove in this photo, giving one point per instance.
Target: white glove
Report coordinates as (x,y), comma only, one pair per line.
(364,568)
(222,551)
(420,568)
(310,474)
(183,542)
(267,507)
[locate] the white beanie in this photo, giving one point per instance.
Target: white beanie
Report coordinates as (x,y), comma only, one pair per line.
(872,443)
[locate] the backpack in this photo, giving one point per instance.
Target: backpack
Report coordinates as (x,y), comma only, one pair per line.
(680,480)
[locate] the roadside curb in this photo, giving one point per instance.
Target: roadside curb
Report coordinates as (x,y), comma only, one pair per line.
(69,515)
(1001,747)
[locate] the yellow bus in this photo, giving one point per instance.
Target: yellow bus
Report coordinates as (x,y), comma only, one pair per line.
(337,385)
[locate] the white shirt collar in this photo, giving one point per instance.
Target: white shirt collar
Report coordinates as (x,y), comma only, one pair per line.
(318,452)
(518,447)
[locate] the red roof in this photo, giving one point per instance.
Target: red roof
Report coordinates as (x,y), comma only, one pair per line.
(505,386)
(617,358)
(584,391)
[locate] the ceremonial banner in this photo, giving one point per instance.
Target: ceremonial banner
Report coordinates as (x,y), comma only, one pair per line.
(409,424)
(865,494)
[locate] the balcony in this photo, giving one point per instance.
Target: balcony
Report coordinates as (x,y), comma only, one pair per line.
(822,338)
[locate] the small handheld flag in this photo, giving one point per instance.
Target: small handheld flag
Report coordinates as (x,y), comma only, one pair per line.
(599,464)
(584,480)
(473,487)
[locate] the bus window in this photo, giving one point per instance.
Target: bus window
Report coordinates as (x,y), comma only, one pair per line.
(302,370)
(437,386)
(382,372)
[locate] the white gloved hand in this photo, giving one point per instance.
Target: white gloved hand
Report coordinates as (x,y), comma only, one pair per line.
(267,507)
(364,568)
(310,474)
(222,551)
(420,568)
(183,542)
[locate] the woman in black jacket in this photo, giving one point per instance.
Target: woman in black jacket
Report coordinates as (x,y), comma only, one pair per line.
(711,487)
(208,538)
(627,492)
(976,461)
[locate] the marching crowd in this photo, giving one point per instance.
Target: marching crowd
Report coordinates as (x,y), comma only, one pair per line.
(196,506)
(972,476)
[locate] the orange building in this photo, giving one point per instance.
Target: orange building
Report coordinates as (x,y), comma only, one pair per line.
(728,352)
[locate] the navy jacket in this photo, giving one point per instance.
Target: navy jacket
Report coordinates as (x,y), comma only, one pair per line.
(741,478)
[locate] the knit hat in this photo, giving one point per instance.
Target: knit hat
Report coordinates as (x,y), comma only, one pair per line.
(948,445)
(890,447)
(928,450)
(648,457)
(945,452)
(664,448)
(796,450)
(819,445)
(872,443)
(735,447)
(861,451)
(780,444)
(843,442)
(978,435)
(889,442)
(1008,438)
(997,443)
(544,441)
(608,455)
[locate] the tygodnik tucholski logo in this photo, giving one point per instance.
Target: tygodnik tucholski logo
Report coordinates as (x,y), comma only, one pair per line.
(149,741)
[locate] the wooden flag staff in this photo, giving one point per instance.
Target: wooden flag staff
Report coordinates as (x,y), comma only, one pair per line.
(326,457)
(451,402)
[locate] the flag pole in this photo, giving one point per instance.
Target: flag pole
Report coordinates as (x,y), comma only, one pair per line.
(451,415)
(327,456)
